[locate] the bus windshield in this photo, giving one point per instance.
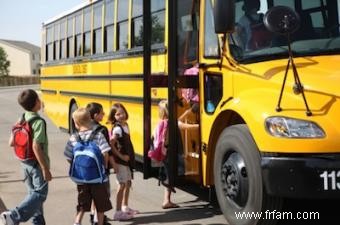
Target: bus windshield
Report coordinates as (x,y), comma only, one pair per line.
(318,34)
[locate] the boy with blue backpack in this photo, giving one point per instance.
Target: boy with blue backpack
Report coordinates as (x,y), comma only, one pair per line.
(87,151)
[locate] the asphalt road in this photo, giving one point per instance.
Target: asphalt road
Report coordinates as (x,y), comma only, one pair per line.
(146,195)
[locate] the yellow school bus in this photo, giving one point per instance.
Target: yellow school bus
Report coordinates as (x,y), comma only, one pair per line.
(264,73)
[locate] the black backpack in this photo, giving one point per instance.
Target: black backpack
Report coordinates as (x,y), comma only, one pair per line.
(126,147)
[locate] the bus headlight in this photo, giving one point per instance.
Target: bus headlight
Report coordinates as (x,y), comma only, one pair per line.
(293,128)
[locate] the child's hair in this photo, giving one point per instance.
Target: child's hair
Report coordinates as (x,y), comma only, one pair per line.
(111,118)
(163,109)
(121,106)
(27,99)
(94,108)
(82,117)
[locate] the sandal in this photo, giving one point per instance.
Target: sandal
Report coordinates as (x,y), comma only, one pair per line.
(170,206)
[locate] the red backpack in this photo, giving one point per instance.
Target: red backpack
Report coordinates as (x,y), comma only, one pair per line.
(23,138)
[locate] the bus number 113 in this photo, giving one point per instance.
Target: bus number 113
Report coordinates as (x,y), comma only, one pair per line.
(330,180)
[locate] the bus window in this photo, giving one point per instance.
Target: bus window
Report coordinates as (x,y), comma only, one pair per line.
(212,91)
(87,32)
(188,23)
(137,23)
(122,24)
(49,43)
(78,35)
(70,42)
(211,48)
(56,41)
(158,21)
(62,44)
(97,28)
(109,26)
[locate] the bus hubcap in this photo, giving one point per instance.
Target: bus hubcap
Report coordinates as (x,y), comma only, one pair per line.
(234,179)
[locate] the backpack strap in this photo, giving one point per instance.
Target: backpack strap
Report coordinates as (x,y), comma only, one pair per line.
(77,136)
(94,133)
(32,119)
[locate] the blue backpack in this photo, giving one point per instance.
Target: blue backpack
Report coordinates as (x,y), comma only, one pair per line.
(88,162)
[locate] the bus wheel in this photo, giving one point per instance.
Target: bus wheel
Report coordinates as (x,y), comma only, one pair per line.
(238,179)
(72,127)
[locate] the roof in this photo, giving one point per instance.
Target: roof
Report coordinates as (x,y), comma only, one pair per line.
(22,45)
(70,11)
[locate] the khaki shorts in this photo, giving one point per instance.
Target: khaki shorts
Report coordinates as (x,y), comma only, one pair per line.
(123,175)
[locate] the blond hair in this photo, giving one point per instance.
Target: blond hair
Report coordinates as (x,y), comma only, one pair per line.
(163,109)
(82,117)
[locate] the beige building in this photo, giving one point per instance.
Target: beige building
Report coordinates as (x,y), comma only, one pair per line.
(24,57)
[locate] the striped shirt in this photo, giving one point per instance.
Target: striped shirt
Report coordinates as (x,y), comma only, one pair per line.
(99,139)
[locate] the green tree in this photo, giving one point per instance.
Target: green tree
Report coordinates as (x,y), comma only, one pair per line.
(4,63)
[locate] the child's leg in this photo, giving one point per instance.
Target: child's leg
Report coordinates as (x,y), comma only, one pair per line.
(79,217)
(167,196)
(100,216)
(126,193)
(119,196)
(93,215)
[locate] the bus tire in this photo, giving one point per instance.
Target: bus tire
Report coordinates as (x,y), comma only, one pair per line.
(238,179)
(72,127)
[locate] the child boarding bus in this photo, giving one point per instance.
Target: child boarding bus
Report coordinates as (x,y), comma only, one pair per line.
(265,75)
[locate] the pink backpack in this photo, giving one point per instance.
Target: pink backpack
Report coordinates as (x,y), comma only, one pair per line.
(157,150)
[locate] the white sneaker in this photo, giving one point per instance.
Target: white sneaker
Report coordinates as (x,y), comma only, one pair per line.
(130,211)
(6,218)
(122,216)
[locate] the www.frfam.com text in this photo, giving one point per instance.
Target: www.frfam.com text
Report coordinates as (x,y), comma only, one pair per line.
(277,215)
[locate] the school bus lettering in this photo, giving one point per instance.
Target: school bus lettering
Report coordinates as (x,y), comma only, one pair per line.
(80,69)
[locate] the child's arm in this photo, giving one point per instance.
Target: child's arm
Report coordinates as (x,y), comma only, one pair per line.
(68,150)
(183,125)
(37,149)
(113,164)
(106,159)
(115,151)
(11,141)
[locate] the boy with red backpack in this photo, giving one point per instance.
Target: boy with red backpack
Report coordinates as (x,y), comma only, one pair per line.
(30,143)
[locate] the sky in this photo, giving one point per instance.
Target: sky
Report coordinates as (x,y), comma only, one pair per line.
(21,20)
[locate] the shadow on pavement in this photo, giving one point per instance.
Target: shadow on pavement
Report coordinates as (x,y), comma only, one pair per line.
(183,215)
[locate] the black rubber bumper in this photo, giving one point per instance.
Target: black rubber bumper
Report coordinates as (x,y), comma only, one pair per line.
(302,177)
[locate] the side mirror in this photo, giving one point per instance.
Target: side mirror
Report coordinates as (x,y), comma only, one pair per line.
(224,16)
(281,20)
